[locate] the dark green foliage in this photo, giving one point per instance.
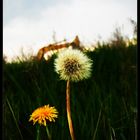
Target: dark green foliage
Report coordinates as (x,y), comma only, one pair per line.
(103,107)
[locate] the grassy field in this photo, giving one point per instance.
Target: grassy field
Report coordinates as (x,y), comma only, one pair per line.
(104,107)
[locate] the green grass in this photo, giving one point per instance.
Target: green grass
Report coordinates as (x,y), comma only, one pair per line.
(102,107)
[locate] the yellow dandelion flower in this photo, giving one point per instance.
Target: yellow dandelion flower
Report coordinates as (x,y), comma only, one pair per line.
(42,114)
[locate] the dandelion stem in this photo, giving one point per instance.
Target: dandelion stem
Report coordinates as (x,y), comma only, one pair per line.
(38,132)
(68,110)
(48,133)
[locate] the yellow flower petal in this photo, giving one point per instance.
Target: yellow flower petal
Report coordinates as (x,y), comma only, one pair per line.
(42,114)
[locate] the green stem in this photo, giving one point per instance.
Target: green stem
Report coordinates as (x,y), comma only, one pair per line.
(69,111)
(38,132)
(48,133)
(14,118)
(97,125)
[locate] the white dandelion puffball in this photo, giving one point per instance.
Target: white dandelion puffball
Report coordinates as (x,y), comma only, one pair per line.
(73,65)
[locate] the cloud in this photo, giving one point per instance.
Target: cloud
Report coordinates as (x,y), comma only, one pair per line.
(88,19)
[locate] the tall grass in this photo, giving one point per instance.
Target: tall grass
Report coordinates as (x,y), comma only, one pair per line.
(102,107)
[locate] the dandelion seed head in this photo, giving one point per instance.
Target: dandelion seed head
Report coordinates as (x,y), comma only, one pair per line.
(72,64)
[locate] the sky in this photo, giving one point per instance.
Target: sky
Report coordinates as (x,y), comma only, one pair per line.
(28,25)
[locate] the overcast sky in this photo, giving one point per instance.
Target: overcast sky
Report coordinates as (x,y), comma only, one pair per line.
(30,24)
